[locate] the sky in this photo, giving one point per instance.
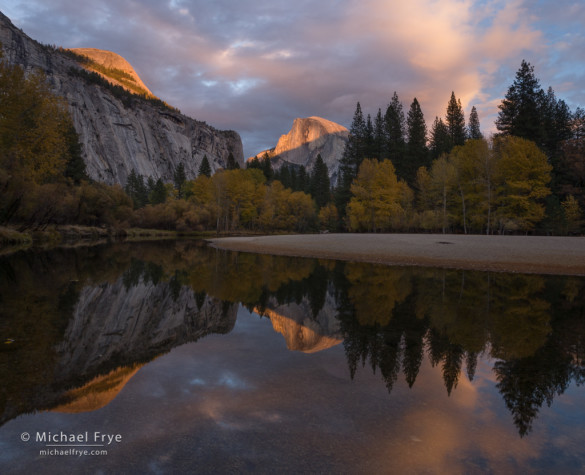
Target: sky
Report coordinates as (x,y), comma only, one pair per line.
(255,65)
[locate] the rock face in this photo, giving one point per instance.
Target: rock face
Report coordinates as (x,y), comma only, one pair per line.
(118,136)
(112,60)
(308,138)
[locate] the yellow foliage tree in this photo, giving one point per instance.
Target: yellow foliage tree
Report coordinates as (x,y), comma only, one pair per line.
(522,173)
(33,126)
(377,197)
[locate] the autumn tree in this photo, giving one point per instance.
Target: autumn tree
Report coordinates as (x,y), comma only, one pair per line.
(34,126)
(376,197)
(522,174)
(474,183)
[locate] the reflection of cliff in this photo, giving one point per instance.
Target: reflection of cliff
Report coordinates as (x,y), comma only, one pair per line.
(114,323)
(98,393)
(301,331)
(105,333)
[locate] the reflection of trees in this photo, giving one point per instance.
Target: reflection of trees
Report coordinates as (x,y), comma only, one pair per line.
(533,325)
(390,317)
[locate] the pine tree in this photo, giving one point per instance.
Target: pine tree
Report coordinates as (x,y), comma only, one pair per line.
(267,168)
(283,176)
(75,166)
(136,189)
(303,180)
(417,152)
(320,186)
(474,131)
(231,162)
(440,142)
(369,145)
(179,179)
(353,155)
(520,110)
(395,132)
(204,168)
(455,122)
(379,145)
(158,194)
(557,118)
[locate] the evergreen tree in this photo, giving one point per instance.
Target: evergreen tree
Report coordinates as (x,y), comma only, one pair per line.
(231,162)
(474,132)
(379,145)
(75,166)
(369,146)
(179,178)
(204,168)
(136,189)
(395,132)
(353,155)
(158,194)
(320,186)
(439,140)
(556,117)
(283,176)
(303,180)
(417,152)
(520,110)
(267,168)
(455,122)
(293,178)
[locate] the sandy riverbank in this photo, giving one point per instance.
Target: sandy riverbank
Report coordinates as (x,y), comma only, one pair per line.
(530,254)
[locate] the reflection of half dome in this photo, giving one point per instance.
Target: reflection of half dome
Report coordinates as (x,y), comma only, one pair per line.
(307,336)
(98,393)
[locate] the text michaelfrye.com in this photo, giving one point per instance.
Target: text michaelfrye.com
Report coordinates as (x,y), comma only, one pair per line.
(72,444)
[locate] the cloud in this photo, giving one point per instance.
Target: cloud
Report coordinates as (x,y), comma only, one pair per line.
(255,65)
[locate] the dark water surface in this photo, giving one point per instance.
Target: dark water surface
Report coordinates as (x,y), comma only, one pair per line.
(187,359)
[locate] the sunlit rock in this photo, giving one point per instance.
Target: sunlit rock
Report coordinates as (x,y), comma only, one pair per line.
(117,135)
(308,138)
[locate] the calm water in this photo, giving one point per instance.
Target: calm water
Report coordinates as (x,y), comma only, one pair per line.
(190,359)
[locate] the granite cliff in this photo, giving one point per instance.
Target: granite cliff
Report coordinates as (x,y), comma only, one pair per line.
(308,138)
(120,135)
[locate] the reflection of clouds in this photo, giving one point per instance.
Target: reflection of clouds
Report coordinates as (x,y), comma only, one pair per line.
(467,432)
(232,381)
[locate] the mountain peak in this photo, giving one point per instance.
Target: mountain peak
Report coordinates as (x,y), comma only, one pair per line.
(114,68)
(308,138)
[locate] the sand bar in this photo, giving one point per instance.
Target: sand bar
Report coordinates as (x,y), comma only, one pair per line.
(528,254)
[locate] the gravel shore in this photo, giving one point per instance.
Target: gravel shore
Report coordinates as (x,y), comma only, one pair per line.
(527,254)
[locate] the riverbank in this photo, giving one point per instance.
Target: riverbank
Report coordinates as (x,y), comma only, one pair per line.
(72,235)
(526,254)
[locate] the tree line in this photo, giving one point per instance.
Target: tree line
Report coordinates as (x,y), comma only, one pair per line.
(528,177)
(394,174)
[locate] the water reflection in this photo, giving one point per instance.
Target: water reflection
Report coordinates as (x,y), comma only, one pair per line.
(77,324)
